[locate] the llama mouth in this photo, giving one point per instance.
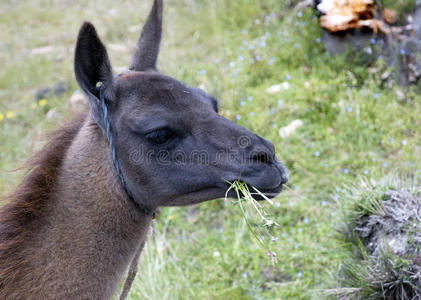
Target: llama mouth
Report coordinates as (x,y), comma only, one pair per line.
(258,194)
(262,194)
(220,191)
(267,186)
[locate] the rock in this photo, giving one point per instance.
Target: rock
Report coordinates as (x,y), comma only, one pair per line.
(339,42)
(391,229)
(77,98)
(385,76)
(400,94)
(42,50)
(384,229)
(278,87)
(410,52)
(77,101)
(403,56)
(42,93)
(61,88)
(288,130)
(52,114)
(400,51)
(274,89)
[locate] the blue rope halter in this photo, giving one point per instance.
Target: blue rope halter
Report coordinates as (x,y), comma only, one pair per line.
(109,137)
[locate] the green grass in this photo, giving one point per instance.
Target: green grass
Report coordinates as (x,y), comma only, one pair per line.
(351,128)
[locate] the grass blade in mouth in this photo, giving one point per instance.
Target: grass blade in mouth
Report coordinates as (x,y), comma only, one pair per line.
(257,219)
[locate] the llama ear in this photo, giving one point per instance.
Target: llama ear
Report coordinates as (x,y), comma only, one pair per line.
(91,67)
(147,48)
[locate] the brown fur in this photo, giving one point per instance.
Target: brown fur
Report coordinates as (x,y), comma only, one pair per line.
(26,203)
(68,230)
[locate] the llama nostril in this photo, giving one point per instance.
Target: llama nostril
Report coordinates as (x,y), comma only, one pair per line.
(261,157)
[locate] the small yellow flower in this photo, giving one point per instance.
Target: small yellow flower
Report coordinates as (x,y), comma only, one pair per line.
(33,105)
(171,217)
(42,102)
(1,117)
(10,115)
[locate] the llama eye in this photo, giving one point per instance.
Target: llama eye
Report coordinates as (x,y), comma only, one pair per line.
(160,136)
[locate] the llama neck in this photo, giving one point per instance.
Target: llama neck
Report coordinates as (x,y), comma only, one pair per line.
(89,231)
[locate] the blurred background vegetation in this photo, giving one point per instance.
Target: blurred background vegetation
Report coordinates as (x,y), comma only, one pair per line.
(352,127)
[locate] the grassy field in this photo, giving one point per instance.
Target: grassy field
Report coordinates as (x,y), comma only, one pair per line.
(353,128)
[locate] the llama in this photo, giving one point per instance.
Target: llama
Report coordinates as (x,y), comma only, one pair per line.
(82,213)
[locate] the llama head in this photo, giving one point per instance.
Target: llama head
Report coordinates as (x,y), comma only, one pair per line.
(172,145)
